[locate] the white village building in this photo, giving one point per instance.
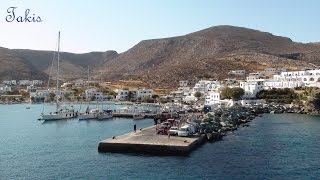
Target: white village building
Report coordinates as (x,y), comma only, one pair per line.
(237,72)
(95,95)
(46,93)
(10,82)
(5,88)
(251,88)
(135,94)
(204,86)
(79,83)
(212,98)
(37,82)
(122,95)
(183,83)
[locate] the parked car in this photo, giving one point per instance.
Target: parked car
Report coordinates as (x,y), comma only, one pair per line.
(173,131)
(186,130)
(162,129)
(183,131)
(166,124)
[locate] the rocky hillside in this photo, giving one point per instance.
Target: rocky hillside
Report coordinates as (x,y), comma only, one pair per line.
(31,64)
(13,67)
(208,53)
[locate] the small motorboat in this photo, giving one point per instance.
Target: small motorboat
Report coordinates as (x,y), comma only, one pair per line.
(138,116)
(105,114)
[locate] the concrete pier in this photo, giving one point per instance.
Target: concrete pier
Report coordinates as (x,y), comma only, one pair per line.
(130,115)
(146,141)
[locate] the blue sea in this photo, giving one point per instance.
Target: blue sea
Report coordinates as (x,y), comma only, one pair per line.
(275,146)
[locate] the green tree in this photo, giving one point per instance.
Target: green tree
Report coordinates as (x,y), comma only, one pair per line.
(148,99)
(232,93)
(109,92)
(68,96)
(155,96)
(163,100)
(15,92)
(25,94)
(285,95)
(52,96)
(226,93)
(197,94)
(237,93)
(130,96)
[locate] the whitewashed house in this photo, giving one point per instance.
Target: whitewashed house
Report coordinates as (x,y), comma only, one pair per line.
(31,88)
(237,72)
(185,91)
(122,95)
(142,93)
(79,83)
(212,98)
(25,82)
(251,88)
(135,94)
(183,83)
(257,76)
(67,84)
(37,82)
(292,79)
(204,86)
(274,71)
(46,93)
(95,95)
(10,82)
(270,71)
(5,88)
(190,98)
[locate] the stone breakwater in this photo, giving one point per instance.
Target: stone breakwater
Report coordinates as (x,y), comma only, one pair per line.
(217,123)
(211,126)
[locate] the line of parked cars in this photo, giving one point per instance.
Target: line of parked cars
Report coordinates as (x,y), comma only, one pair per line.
(171,126)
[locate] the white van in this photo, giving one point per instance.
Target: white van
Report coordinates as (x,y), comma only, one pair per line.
(186,130)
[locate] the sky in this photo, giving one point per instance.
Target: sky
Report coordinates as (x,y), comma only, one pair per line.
(101,25)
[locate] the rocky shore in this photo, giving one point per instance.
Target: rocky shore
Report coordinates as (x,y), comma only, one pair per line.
(217,123)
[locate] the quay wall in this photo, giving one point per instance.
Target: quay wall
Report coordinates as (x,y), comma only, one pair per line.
(154,148)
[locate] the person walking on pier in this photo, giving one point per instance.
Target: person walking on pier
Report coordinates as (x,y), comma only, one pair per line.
(134,127)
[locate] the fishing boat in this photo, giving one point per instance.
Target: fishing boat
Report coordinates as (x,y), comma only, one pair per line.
(105,114)
(61,112)
(138,116)
(89,114)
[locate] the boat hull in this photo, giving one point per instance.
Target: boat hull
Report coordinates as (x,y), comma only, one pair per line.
(104,116)
(53,117)
(87,116)
(138,116)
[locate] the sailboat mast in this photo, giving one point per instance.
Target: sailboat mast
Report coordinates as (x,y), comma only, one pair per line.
(58,69)
(88,74)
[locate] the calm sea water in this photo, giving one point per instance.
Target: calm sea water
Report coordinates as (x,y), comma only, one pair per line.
(282,146)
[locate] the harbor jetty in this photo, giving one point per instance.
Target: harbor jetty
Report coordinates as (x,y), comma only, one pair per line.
(207,127)
(147,110)
(147,141)
(130,115)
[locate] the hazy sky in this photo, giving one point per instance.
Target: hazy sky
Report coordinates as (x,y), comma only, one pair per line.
(100,25)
